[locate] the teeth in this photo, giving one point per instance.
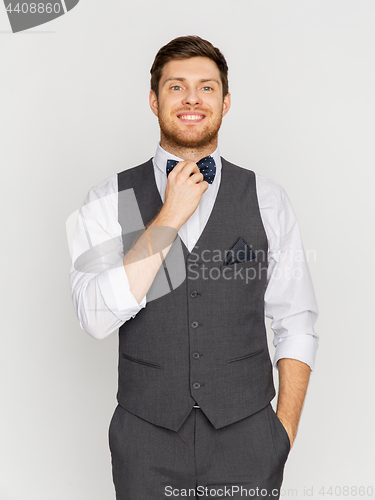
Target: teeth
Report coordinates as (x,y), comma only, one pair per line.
(191,117)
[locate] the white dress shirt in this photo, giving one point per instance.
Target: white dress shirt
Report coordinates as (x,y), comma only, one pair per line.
(102,298)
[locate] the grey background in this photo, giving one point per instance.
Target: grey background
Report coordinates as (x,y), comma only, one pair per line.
(74,110)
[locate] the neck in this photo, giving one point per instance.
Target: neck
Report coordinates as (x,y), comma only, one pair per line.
(186,153)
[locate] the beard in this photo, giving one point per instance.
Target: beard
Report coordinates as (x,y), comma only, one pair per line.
(189,138)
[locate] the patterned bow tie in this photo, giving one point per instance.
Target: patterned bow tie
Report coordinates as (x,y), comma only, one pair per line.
(206,166)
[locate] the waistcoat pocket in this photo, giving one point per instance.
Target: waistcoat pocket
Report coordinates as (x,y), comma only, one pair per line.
(141,361)
(245,356)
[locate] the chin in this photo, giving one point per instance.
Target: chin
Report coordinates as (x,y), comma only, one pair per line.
(190,140)
(182,140)
(194,144)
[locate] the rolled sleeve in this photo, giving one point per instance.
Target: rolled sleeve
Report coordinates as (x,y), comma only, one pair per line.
(100,288)
(115,290)
(290,299)
(300,346)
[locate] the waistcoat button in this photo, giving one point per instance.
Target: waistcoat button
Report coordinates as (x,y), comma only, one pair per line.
(193,294)
(194,324)
(196,385)
(195,355)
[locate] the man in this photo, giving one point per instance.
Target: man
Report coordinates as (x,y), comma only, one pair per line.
(195,377)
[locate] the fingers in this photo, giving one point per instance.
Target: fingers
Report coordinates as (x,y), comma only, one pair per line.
(200,183)
(189,169)
(185,168)
(204,185)
(197,177)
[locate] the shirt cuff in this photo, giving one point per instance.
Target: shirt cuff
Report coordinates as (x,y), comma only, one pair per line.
(302,347)
(115,289)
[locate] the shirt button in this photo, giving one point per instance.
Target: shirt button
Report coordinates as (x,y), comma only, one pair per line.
(196,355)
(193,294)
(194,324)
(196,385)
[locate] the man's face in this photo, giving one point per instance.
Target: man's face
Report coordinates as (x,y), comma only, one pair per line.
(190,106)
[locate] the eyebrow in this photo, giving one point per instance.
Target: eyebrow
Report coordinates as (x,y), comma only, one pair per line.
(179,79)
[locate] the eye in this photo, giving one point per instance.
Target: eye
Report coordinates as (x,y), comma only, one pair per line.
(174,87)
(208,88)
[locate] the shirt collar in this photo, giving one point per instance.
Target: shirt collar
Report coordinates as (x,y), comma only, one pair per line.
(161,157)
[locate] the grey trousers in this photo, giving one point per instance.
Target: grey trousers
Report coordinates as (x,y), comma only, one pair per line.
(244,459)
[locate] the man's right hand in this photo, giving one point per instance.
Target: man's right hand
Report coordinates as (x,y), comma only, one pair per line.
(184,190)
(183,193)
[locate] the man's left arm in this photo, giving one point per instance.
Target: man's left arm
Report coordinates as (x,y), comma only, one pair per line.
(290,303)
(294,378)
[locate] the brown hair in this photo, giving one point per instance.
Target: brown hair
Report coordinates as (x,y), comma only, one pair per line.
(185,47)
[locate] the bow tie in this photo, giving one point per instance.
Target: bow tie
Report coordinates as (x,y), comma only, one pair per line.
(206,166)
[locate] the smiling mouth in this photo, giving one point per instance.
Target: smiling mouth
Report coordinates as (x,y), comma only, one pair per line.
(191,118)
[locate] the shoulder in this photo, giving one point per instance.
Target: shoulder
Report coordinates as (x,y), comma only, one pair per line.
(133,174)
(269,192)
(106,187)
(275,206)
(101,201)
(109,187)
(98,215)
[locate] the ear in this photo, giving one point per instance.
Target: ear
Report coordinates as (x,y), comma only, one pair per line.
(226,104)
(154,105)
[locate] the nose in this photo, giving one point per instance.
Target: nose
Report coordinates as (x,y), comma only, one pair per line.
(192,97)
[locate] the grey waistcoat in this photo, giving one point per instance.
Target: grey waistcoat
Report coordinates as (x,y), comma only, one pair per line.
(204,341)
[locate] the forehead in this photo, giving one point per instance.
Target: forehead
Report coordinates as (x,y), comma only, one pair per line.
(192,69)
